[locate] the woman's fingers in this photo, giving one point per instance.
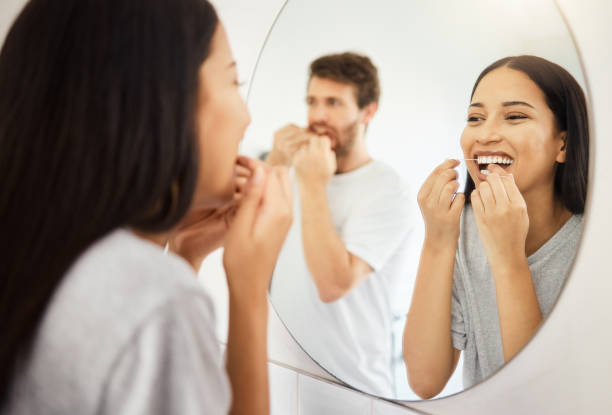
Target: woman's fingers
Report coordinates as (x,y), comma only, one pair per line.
(497,186)
(477,204)
(275,213)
(446,195)
(457,204)
(430,183)
(242,171)
(486,195)
(512,190)
(251,200)
(444,178)
(246,162)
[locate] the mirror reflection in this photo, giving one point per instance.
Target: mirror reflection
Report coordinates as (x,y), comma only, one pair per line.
(364,104)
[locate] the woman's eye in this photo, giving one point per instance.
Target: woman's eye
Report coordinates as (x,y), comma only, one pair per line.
(516,117)
(474,118)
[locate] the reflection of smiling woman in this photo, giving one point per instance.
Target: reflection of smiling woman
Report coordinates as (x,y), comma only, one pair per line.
(488,276)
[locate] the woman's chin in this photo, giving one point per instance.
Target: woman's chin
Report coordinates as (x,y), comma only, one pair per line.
(213,200)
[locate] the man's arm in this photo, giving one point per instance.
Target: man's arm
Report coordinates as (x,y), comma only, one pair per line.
(335,270)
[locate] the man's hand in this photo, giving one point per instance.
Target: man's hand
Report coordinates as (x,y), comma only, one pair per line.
(287,141)
(315,162)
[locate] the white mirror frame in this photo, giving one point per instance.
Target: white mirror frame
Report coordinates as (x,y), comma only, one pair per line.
(567,367)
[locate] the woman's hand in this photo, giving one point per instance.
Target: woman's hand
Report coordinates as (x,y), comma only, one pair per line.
(258,230)
(200,233)
(203,231)
(501,217)
(441,212)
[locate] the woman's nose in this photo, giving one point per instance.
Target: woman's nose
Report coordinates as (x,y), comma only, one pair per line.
(490,133)
(489,138)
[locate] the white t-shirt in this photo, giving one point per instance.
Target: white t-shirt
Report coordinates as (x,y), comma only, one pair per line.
(128,331)
(351,337)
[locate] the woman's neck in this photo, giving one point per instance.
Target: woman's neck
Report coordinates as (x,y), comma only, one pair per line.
(547,215)
(157,238)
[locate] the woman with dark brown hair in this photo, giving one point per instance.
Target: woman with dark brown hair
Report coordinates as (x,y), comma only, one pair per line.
(490,271)
(120,122)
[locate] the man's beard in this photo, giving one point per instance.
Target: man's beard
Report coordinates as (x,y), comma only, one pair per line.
(344,140)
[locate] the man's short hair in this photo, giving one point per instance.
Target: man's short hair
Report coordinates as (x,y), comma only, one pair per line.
(350,68)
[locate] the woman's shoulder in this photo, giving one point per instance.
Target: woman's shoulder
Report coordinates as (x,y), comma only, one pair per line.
(122,274)
(119,288)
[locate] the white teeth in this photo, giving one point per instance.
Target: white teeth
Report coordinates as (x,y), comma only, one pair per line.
(484,171)
(494,160)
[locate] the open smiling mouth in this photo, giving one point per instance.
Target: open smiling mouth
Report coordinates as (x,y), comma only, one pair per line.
(504,161)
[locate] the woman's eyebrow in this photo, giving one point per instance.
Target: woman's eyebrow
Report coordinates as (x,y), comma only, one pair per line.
(504,104)
(513,103)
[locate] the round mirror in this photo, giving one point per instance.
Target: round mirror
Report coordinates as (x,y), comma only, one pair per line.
(363,229)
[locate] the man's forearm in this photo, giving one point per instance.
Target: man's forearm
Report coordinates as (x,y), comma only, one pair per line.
(325,253)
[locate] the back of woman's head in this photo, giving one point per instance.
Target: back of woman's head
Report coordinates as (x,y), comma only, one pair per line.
(97,132)
(567,102)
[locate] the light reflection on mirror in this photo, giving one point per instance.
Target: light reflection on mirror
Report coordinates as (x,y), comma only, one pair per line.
(428,55)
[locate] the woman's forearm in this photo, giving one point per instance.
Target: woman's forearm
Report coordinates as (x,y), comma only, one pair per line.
(517,303)
(428,350)
(247,364)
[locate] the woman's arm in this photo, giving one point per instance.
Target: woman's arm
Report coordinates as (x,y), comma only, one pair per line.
(252,245)
(428,351)
(501,217)
(517,304)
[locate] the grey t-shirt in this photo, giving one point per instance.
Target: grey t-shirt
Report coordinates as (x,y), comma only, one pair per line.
(128,331)
(475,322)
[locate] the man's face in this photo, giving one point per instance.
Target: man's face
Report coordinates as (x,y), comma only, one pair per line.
(333,112)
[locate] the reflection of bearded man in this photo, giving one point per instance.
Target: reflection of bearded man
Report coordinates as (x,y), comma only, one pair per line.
(352,222)
(342,142)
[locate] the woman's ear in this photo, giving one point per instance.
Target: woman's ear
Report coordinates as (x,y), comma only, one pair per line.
(562,137)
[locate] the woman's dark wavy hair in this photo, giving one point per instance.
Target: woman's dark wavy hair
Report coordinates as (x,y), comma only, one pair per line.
(566,100)
(97,132)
